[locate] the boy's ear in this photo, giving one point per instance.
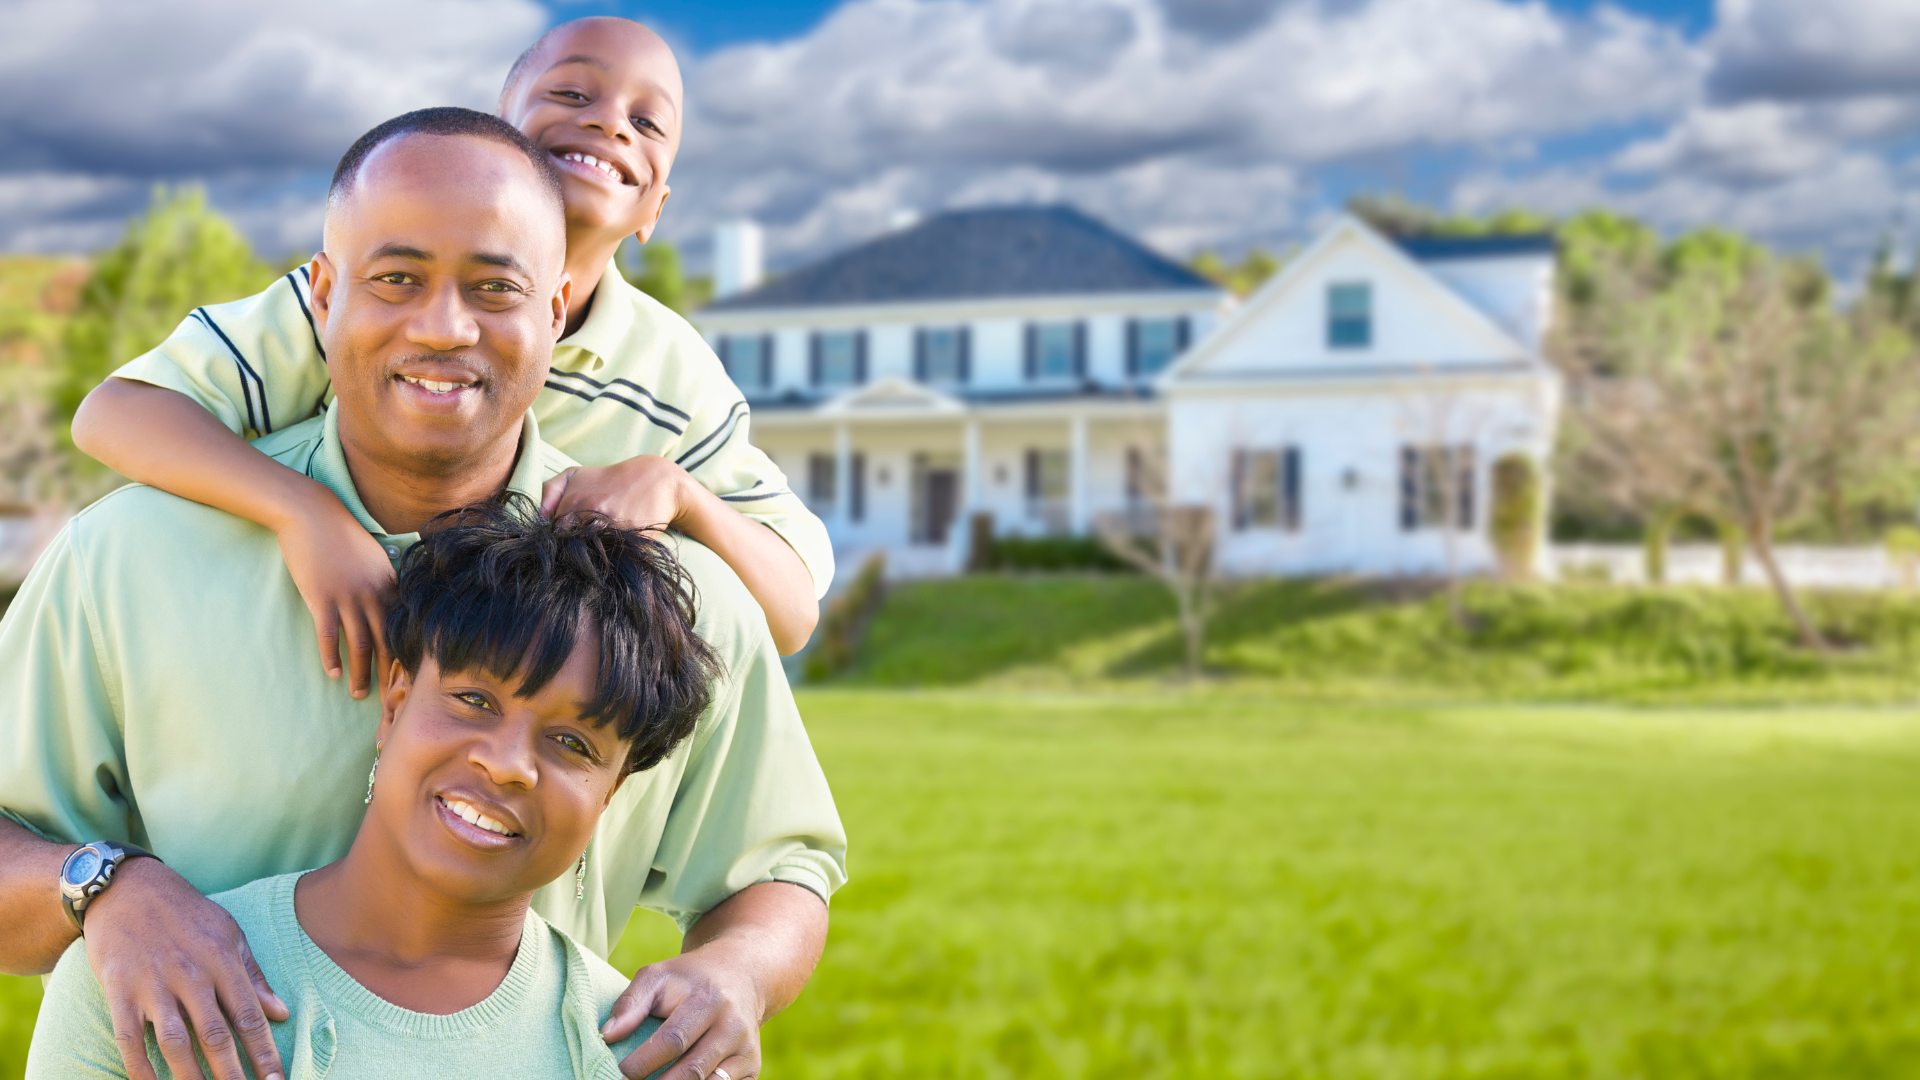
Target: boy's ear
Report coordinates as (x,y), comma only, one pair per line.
(320,284)
(562,303)
(646,231)
(393,694)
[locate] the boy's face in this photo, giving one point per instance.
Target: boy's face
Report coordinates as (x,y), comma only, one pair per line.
(608,89)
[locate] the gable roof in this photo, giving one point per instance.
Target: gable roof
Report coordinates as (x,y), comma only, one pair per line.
(1005,251)
(1271,295)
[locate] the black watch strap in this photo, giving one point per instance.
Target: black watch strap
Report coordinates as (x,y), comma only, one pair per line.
(87,872)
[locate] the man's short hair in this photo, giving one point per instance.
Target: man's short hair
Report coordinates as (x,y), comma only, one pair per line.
(445,120)
(502,590)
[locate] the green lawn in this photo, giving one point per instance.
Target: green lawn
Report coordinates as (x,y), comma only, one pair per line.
(1209,885)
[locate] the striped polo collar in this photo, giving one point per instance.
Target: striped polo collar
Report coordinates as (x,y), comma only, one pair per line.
(329,466)
(606,329)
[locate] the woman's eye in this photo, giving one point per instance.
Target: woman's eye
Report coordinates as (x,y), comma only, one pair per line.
(574,744)
(478,701)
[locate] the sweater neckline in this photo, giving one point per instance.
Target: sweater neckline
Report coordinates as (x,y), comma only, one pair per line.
(344,993)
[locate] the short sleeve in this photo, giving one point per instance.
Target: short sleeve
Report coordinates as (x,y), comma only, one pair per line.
(73,1037)
(753,804)
(63,767)
(255,364)
(720,455)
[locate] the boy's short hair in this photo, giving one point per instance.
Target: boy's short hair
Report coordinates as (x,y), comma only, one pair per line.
(502,590)
(445,120)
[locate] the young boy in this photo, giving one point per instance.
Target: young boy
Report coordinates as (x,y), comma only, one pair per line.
(634,391)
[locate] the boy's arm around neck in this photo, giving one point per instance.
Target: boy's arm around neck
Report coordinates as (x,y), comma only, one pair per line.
(164,439)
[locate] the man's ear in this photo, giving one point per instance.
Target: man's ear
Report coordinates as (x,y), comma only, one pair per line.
(562,302)
(320,284)
(393,694)
(646,231)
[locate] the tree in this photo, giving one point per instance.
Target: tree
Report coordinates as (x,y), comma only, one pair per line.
(1395,215)
(1718,380)
(657,274)
(175,257)
(1174,543)
(1252,272)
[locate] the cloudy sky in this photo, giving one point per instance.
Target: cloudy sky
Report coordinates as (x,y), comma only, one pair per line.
(1191,123)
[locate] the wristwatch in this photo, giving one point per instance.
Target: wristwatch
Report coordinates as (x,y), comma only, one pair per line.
(87,873)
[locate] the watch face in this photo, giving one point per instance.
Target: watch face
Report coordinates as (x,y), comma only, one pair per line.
(83,866)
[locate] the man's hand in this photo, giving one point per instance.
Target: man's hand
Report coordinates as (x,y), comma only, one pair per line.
(743,962)
(346,580)
(167,956)
(645,492)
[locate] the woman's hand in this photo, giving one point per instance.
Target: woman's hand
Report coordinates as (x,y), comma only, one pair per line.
(346,579)
(744,961)
(644,492)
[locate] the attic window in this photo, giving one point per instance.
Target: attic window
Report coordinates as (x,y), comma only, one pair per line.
(1350,316)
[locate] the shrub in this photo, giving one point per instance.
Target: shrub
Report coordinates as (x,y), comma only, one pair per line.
(846,619)
(1052,554)
(1516,514)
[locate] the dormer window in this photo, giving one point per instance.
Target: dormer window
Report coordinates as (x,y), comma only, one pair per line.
(1350,316)
(940,354)
(1056,350)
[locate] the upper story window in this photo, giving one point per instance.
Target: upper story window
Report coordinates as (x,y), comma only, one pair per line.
(1056,350)
(748,358)
(1350,316)
(839,358)
(1153,343)
(941,354)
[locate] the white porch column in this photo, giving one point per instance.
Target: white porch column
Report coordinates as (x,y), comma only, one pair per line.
(970,499)
(842,478)
(1077,476)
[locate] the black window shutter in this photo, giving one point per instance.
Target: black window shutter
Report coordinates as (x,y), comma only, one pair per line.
(1409,488)
(766,359)
(1033,474)
(966,353)
(1182,334)
(920,354)
(1463,478)
(1080,350)
(1290,488)
(726,356)
(1133,348)
(860,358)
(813,358)
(1239,481)
(857,497)
(1031,353)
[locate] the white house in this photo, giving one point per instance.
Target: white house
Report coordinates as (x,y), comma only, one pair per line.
(1034,364)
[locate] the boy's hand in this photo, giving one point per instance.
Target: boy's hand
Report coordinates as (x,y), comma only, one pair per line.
(346,579)
(645,492)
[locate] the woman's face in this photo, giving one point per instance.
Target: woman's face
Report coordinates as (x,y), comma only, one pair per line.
(485,794)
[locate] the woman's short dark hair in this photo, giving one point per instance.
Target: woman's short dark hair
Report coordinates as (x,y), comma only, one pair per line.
(497,588)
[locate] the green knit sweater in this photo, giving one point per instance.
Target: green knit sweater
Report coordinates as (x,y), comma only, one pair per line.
(542,1022)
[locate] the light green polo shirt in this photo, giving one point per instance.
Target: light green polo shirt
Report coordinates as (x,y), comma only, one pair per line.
(635,379)
(158,686)
(542,1021)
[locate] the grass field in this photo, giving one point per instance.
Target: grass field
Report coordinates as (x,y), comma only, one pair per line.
(1214,886)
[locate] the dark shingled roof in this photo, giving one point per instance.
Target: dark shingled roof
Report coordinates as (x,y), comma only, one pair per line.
(1476,247)
(970,254)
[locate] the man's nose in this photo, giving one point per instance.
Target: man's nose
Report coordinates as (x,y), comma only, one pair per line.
(443,323)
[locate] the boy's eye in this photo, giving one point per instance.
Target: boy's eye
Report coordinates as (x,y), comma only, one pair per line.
(643,122)
(570,94)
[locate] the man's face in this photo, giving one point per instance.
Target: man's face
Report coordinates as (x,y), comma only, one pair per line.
(608,89)
(439,297)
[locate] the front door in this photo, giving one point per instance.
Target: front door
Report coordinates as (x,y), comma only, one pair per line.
(943,502)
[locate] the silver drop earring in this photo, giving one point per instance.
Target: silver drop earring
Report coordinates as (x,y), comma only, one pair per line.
(580,878)
(370,772)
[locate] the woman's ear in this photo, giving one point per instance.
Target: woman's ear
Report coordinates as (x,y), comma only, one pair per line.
(614,790)
(392,695)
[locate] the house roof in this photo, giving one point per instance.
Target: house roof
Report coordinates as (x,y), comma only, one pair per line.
(970,254)
(1429,248)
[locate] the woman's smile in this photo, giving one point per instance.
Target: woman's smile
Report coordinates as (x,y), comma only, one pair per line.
(474,827)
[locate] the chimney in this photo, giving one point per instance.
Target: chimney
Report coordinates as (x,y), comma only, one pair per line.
(736,257)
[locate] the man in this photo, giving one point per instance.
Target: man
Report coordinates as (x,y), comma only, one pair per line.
(154,625)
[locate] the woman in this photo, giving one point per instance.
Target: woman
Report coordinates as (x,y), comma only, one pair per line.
(536,665)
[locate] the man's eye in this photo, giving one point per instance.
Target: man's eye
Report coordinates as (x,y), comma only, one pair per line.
(496,287)
(395,278)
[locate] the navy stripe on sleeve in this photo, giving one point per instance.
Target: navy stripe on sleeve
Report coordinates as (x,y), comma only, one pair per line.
(718,438)
(250,381)
(304,309)
(609,395)
(629,384)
